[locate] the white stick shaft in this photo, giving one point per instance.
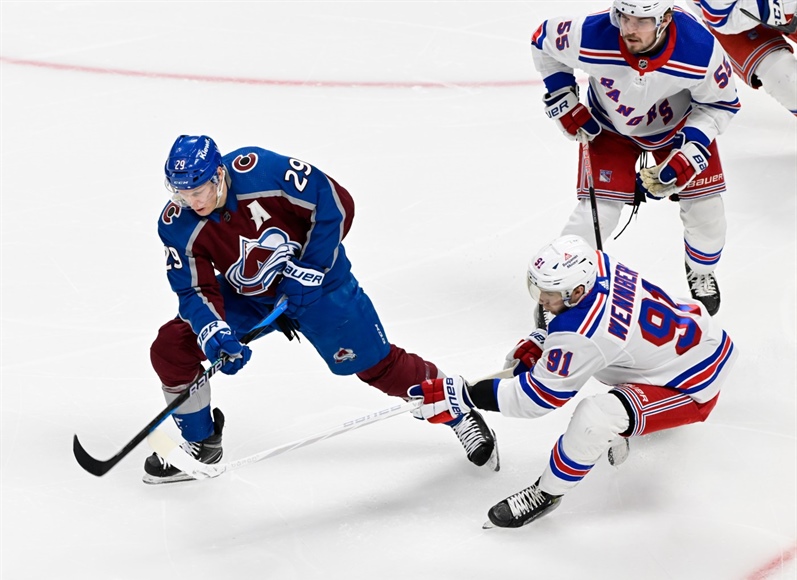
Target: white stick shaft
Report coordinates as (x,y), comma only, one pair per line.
(167,448)
(504,374)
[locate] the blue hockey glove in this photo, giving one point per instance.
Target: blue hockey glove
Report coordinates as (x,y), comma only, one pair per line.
(217,340)
(575,120)
(301,285)
(443,400)
(526,352)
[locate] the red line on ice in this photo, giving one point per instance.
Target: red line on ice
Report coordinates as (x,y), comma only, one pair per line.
(270,82)
(774,565)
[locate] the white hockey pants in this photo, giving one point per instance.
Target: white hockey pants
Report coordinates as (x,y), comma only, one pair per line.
(596,422)
(703,220)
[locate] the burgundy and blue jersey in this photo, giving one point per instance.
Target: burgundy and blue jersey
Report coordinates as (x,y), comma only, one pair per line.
(276,207)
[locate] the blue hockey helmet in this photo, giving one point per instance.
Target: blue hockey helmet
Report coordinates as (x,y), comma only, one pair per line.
(192,161)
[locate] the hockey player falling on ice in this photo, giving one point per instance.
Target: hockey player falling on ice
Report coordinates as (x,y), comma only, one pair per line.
(272,226)
(658,82)
(755,35)
(664,358)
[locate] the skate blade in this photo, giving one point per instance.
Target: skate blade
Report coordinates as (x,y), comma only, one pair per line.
(494,463)
(152,480)
(488,525)
(618,452)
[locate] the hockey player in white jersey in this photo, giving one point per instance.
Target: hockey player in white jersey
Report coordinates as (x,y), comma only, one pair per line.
(756,36)
(663,357)
(658,82)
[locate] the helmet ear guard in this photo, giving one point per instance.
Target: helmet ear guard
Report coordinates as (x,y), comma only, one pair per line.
(562,266)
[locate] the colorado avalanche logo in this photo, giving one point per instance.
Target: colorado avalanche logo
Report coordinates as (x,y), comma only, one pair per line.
(344,354)
(260,261)
(245,163)
(170,213)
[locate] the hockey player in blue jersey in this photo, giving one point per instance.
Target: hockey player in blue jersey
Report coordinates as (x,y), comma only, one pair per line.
(658,83)
(271,227)
(664,358)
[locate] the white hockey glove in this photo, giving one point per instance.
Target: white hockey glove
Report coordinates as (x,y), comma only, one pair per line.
(575,120)
(674,174)
(443,400)
(526,352)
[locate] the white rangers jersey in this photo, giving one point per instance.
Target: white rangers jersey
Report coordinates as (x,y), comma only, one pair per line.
(625,330)
(687,85)
(726,16)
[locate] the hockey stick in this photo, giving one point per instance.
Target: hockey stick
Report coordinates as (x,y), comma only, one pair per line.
(98,467)
(171,451)
(787,29)
(539,318)
(593,202)
(587,162)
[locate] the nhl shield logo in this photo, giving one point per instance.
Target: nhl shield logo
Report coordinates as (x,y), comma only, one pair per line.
(643,64)
(344,354)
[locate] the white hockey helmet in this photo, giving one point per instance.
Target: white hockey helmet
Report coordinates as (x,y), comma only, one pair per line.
(641,9)
(562,266)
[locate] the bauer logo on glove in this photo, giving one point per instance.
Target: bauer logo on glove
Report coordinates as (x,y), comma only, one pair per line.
(575,120)
(305,276)
(219,343)
(526,353)
(442,400)
(680,167)
(301,284)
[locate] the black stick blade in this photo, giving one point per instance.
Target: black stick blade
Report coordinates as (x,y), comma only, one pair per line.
(98,468)
(87,462)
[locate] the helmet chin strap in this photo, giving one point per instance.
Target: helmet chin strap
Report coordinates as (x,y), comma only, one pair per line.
(219,187)
(659,30)
(567,301)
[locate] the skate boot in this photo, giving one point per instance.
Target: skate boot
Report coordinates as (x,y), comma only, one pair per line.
(522,508)
(704,287)
(478,440)
(209,450)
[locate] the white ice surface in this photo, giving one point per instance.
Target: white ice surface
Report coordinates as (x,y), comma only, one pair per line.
(430,114)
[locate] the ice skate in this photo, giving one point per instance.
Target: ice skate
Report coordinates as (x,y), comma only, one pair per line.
(157,470)
(522,508)
(704,287)
(478,440)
